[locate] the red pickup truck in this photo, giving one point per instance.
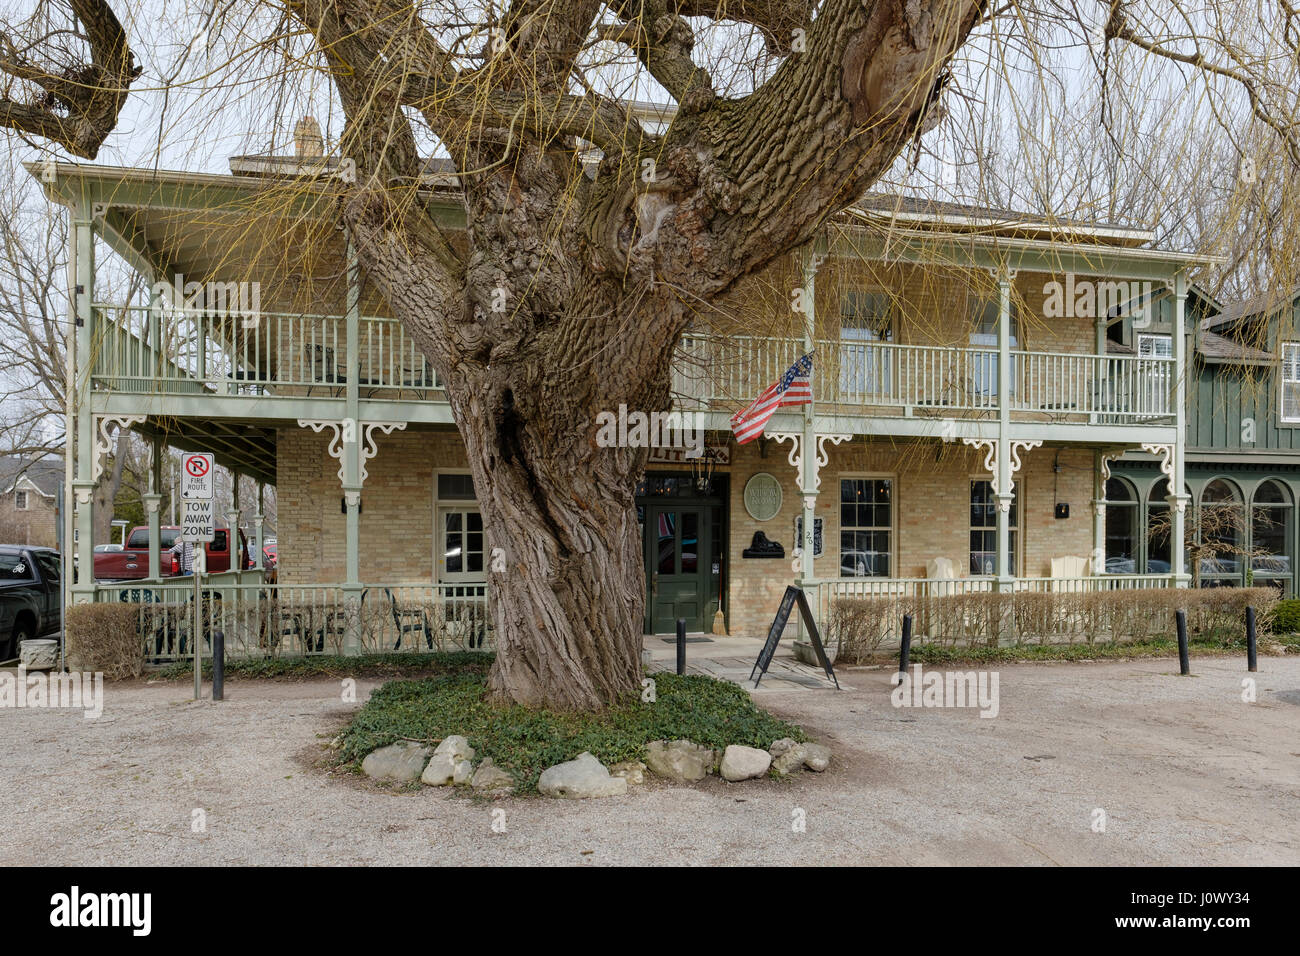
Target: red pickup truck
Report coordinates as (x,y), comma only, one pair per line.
(132,562)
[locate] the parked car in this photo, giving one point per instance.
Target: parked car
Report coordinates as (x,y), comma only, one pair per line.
(269,558)
(30,597)
(132,563)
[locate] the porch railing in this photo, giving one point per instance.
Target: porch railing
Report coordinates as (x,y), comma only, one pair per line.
(177,351)
(285,620)
(934,380)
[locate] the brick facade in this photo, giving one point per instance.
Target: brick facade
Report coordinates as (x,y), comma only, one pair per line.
(37,524)
(930,509)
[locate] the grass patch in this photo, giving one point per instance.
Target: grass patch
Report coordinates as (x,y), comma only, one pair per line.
(710,712)
(1206,646)
(331,665)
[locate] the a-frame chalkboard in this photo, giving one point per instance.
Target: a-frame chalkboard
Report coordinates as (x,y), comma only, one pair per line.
(792,595)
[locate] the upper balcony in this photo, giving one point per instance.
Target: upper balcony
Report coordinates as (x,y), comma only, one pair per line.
(277,356)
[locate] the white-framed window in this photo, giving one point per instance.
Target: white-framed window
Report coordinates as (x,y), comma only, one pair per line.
(1154,380)
(983,315)
(1290,404)
(458,532)
(866,317)
(984,528)
(20,501)
(866,527)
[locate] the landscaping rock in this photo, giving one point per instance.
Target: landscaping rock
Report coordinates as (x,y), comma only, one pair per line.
(790,759)
(401,762)
(633,771)
(744,763)
(489,776)
(780,746)
(680,760)
(457,746)
(580,779)
(452,763)
(817,757)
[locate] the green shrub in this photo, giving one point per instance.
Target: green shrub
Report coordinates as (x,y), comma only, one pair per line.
(106,638)
(1286,617)
(525,742)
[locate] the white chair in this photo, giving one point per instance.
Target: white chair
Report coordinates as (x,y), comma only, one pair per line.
(1069,566)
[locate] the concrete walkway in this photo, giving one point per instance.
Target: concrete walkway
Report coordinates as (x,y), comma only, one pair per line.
(733,658)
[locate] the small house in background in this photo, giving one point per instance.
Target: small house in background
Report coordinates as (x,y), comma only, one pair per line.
(29,494)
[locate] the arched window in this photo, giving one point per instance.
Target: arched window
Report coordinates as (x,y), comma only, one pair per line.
(1221,523)
(1270,531)
(1121,527)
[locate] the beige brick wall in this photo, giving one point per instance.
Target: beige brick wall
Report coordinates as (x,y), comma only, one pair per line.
(931,512)
(396,507)
(930,507)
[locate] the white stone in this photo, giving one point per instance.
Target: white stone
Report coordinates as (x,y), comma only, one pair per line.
(457,746)
(489,776)
(580,779)
(631,770)
(744,763)
(817,757)
(401,762)
(680,760)
(790,759)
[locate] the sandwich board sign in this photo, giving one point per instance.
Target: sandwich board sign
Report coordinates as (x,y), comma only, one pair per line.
(196,493)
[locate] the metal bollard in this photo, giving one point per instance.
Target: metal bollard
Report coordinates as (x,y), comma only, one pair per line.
(1251,661)
(1184,665)
(905,649)
(218,664)
(681,645)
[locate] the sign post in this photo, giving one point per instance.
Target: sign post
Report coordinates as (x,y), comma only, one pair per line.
(793,595)
(197,529)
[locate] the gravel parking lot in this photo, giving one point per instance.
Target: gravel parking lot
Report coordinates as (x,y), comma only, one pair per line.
(1184,770)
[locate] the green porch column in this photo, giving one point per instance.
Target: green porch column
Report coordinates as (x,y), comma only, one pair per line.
(232,522)
(352,589)
(1099,469)
(84,450)
(152,504)
(1178,497)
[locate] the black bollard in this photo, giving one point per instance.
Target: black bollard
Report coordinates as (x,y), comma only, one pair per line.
(1251,662)
(218,664)
(681,645)
(905,649)
(1184,666)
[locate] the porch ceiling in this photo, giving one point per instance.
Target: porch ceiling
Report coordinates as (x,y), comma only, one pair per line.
(246,446)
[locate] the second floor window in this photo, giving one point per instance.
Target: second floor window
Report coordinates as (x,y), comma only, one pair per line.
(984,346)
(20,500)
(1291,382)
(865,318)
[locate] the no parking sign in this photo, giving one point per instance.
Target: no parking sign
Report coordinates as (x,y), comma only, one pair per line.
(196,490)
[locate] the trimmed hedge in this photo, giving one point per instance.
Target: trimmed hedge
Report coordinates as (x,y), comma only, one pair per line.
(860,626)
(106,638)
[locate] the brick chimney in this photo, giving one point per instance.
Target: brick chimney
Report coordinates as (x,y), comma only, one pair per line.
(307,140)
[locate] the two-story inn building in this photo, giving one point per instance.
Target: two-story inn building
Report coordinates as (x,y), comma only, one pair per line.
(976,372)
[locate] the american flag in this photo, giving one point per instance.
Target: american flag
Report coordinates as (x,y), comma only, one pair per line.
(794,388)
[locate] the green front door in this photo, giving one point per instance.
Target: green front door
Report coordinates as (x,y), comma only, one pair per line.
(677,565)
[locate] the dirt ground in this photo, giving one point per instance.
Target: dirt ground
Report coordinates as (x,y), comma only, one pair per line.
(1184,770)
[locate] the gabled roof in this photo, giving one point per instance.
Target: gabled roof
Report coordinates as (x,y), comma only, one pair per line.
(44,474)
(1255,307)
